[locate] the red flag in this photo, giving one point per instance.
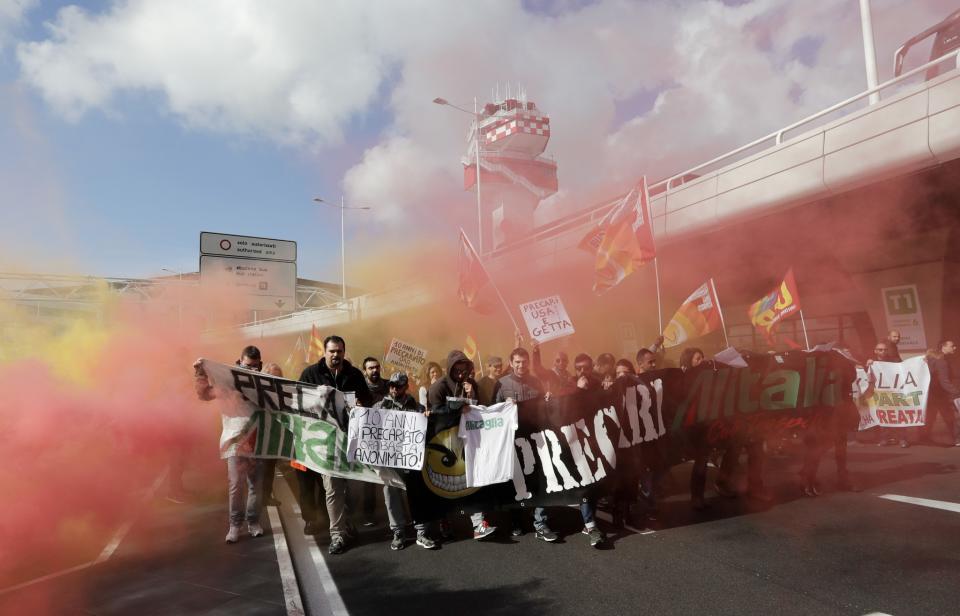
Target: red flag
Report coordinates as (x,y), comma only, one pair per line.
(775,306)
(472,277)
(624,239)
(315,348)
(697,316)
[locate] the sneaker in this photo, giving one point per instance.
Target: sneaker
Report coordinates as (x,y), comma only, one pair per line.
(254,529)
(516,531)
(483,531)
(904,444)
(311,528)
(426,542)
(811,489)
(957,444)
(546,534)
(596,535)
(399,541)
(233,535)
(337,545)
(724,489)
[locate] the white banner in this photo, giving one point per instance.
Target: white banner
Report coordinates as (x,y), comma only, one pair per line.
(406,356)
(391,438)
(546,319)
(896,394)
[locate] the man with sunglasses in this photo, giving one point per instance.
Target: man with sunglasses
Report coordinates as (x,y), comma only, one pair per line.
(240,469)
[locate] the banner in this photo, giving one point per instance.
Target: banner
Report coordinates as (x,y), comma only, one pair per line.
(777,305)
(697,316)
(271,417)
(405,356)
(383,437)
(546,319)
(893,394)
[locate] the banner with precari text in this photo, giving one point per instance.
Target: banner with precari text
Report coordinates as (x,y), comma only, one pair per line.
(893,394)
(382,437)
(271,417)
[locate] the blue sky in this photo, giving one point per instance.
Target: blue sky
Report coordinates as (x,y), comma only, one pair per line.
(114,156)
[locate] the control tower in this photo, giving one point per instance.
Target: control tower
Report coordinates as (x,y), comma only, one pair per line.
(515,177)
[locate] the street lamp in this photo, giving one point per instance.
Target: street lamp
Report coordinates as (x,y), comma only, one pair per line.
(476,145)
(343,253)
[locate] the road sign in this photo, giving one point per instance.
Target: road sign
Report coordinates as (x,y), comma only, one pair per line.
(268,285)
(224,244)
(901,305)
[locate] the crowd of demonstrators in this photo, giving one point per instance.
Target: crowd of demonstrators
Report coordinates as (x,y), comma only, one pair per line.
(449,391)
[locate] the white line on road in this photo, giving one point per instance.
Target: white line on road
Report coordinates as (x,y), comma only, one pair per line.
(924,502)
(288,577)
(337,606)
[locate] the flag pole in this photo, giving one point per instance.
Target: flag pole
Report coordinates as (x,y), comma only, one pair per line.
(803,324)
(492,283)
(656,273)
(720,310)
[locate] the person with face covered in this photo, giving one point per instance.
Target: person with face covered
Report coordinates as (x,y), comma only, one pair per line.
(333,370)
(461,389)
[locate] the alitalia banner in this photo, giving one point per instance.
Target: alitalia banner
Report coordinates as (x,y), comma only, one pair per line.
(564,449)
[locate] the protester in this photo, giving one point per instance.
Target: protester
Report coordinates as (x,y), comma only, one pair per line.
(690,358)
(378,389)
(944,397)
(240,469)
(624,367)
(886,351)
(646,361)
(519,386)
(587,381)
(457,385)
(334,371)
(486,387)
(893,342)
(432,373)
(606,363)
(398,399)
(270,465)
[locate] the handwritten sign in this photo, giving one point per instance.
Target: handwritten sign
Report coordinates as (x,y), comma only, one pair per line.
(546,319)
(898,396)
(405,356)
(381,437)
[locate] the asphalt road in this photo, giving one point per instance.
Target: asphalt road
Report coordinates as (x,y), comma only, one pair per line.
(840,553)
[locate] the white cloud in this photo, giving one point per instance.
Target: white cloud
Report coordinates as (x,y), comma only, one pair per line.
(12,13)
(300,71)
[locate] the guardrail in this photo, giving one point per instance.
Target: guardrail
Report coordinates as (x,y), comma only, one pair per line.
(775,138)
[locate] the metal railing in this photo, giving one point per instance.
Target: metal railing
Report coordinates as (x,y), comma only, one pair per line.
(775,138)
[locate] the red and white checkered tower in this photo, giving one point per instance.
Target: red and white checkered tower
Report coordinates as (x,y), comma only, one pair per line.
(515,176)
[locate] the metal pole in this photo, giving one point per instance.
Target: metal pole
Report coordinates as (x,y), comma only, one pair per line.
(476,141)
(343,254)
(869,50)
(656,272)
(720,310)
(803,324)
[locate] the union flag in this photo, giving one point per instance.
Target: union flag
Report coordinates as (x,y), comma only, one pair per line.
(775,306)
(697,316)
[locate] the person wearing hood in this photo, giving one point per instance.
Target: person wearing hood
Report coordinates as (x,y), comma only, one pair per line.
(456,383)
(333,371)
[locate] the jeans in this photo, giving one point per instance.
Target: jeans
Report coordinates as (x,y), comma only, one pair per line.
(539,518)
(238,470)
(394,498)
(588,508)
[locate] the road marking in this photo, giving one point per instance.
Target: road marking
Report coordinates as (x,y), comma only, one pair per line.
(288,577)
(924,502)
(107,551)
(337,607)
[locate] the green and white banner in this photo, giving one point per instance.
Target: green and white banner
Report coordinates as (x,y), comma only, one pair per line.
(270,417)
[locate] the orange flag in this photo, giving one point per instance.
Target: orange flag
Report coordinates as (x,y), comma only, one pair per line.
(697,316)
(623,239)
(315,348)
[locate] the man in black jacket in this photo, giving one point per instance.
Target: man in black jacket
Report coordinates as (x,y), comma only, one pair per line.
(333,371)
(944,395)
(456,383)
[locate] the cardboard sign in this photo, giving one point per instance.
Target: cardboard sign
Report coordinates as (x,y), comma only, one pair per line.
(381,437)
(546,319)
(406,356)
